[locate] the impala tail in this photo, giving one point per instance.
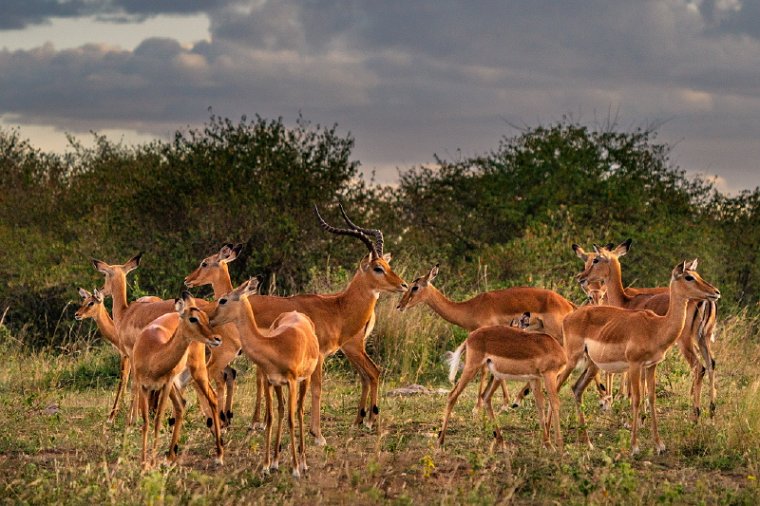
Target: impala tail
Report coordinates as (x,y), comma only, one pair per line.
(453,359)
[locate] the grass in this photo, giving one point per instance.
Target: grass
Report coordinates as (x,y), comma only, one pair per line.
(55,446)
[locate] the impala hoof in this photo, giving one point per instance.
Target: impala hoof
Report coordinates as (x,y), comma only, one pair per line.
(320,440)
(296,474)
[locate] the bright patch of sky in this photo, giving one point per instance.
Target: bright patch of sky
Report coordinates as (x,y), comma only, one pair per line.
(66,33)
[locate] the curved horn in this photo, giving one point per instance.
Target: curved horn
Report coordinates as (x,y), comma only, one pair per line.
(343,231)
(378,235)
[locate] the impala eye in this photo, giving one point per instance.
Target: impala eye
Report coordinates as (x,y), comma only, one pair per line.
(193,319)
(222,302)
(688,278)
(91,304)
(204,264)
(596,261)
(415,288)
(379,270)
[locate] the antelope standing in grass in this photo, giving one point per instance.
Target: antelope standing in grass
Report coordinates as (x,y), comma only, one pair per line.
(343,320)
(603,265)
(130,320)
(633,341)
(510,353)
(213,271)
(287,354)
(161,353)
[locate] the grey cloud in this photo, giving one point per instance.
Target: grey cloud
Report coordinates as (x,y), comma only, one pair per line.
(412,79)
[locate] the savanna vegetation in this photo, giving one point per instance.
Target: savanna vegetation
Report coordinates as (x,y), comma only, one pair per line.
(504,218)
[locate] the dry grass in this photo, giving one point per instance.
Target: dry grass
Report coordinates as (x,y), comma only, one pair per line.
(56,448)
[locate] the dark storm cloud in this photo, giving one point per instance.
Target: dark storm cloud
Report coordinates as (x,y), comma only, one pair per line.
(410,79)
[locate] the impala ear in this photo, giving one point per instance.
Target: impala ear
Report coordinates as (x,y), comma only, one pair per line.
(187,298)
(579,251)
(132,264)
(179,305)
(679,270)
(693,265)
(102,267)
(229,252)
(387,257)
(249,287)
(83,293)
(98,295)
(433,273)
(622,248)
(597,249)
(365,262)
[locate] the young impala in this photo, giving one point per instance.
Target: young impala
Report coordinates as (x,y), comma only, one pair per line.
(634,341)
(160,355)
(287,353)
(510,354)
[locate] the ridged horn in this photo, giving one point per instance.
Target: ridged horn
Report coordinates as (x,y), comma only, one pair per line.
(344,231)
(378,235)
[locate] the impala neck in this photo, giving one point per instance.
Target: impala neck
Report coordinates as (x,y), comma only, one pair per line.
(674,320)
(169,355)
(358,303)
(457,313)
(250,335)
(616,295)
(106,326)
(222,283)
(119,296)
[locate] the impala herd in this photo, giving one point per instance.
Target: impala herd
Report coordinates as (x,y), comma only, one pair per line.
(527,334)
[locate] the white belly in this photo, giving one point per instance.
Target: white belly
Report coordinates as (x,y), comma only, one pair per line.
(506,376)
(613,367)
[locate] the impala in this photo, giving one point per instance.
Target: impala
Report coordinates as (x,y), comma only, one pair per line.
(287,353)
(343,320)
(497,307)
(635,341)
(160,354)
(603,265)
(131,319)
(510,354)
(213,271)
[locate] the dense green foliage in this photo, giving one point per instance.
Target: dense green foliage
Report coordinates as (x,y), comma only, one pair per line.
(504,218)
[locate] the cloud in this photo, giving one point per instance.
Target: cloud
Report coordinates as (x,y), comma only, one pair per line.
(412,79)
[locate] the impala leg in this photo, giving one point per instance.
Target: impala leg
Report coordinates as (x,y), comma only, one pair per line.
(316,403)
(487,397)
(659,445)
(538,393)
(142,400)
(485,383)
(704,340)
(278,436)
(467,375)
(505,395)
(163,396)
(686,345)
(261,382)
(550,381)
(292,402)
(124,369)
(302,388)
(634,373)
(179,416)
(217,373)
(197,365)
(522,394)
(578,389)
(134,404)
(268,416)
(369,374)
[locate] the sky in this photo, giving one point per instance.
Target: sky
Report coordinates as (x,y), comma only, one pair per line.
(408,79)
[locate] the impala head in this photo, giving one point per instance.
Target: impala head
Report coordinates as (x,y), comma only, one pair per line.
(114,273)
(228,306)
(595,291)
(687,283)
(375,267)
(212,266)
(418,291)
(194,323)
(597,265)
(521,322)
(91,304)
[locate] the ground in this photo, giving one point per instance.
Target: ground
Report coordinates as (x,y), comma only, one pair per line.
(55,445)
